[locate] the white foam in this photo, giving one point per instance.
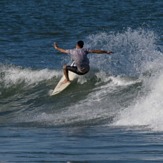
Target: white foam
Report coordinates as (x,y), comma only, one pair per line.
(15,75)
(147,110)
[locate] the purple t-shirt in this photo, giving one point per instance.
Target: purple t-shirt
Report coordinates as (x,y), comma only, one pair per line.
(79,56)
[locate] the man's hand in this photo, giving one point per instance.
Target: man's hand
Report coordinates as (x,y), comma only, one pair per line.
(59,49)
(109,52)
(55,45)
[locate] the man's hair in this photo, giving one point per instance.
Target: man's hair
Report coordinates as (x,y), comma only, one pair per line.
(80,44)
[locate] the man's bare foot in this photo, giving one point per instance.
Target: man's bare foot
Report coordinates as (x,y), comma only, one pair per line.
(66,81)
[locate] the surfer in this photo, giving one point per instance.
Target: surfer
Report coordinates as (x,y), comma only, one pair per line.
(80,63)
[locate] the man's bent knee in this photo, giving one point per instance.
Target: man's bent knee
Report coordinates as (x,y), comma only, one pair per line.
(64,66)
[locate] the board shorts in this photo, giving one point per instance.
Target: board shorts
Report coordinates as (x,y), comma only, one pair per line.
(76,71)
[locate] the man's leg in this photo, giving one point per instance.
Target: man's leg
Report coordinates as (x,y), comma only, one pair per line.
(65,71)
(74,69)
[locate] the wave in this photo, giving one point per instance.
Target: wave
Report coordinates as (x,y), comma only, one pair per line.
(130,97)
(87,105)
(16,77)
(31,103)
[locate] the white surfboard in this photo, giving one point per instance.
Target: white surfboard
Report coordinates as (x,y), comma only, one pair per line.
(60,86)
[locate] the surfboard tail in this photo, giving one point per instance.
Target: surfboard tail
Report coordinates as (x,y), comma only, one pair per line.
(62,86)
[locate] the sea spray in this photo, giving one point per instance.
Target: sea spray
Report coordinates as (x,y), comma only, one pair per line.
(133,49)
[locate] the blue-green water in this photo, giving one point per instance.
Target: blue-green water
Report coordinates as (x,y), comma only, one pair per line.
(112,114)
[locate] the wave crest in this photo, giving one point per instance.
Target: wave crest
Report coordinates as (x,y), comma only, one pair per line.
(12,75)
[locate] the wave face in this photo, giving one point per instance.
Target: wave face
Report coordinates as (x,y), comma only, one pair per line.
(122,90)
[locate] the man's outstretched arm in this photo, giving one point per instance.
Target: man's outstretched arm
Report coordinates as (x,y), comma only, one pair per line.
(100,51)
(59,49)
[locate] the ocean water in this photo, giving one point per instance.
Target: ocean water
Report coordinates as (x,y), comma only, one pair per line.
(112,114)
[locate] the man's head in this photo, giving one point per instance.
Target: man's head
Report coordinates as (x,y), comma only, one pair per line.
(80,44)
